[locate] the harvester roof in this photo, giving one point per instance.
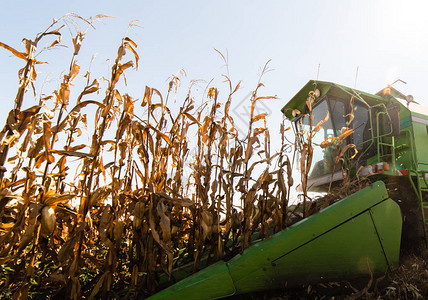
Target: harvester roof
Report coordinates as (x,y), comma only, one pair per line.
(299,100)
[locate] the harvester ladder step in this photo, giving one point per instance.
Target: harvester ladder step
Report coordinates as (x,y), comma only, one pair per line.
(421,189)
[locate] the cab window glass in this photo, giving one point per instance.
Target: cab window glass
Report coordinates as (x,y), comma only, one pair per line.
(361,125)
(338,115)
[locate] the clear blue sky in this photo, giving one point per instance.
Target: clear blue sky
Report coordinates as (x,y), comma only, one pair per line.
(386,40)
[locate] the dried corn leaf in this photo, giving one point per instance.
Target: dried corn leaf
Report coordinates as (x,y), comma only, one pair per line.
(160,133)
(106,226)
(14,52)
(75,110)
(147,98)
(259,117)
(249,150)
(58,198)
(98,286)
(74,71)
(92,88)
(346,148)
(212,92)
(139,211)
(28,236)
(6,226)
(320,123)
(156,237)
(66,251)
(164,223)
(183,202)
(128,105)
(130,46)
(73,153)
(77,42)
(344,133)
(295,112)
(326,143)
(206,222)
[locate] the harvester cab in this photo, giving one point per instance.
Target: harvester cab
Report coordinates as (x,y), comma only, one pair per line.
(381,136)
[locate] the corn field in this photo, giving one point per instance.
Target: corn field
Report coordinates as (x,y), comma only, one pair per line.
(108,217)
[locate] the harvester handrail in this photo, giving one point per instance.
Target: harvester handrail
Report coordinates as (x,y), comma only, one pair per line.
(418,190)
(380,136)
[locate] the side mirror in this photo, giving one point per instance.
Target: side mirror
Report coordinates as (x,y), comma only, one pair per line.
(394,118)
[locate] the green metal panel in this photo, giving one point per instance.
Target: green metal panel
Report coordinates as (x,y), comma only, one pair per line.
(300,233)
(343,252)
(386,226)
(210,283)
(421,144)
(346,239)
(404,149)
(405,122)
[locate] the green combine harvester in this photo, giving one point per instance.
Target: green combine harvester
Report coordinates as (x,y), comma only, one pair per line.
(356,236)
